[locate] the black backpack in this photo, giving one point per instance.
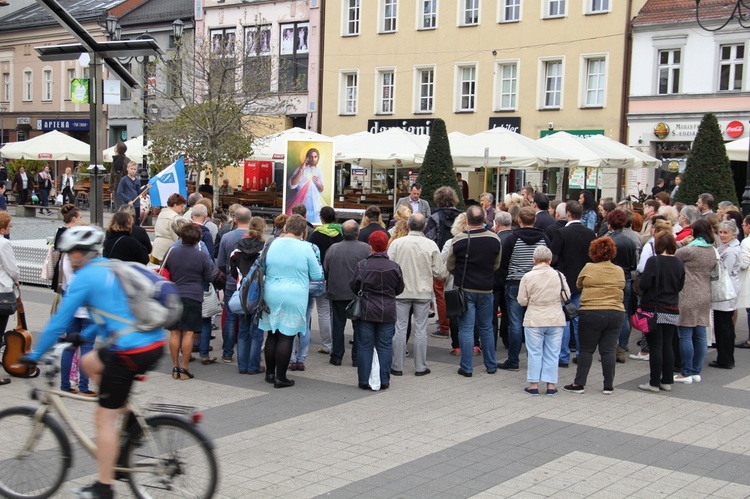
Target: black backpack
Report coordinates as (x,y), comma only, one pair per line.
(440,225)
(243,256)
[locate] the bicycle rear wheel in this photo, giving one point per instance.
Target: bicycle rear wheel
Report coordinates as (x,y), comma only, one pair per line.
(34,455)
(182,465)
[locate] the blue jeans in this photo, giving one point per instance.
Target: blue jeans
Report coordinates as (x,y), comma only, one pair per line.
(249,344)
(480,307)
(376,336)
(230,324)
(301,346)
(205,338)
(625,331)
(66,362)
(565,345)
(693,348)
(44,197)
(543,349)
(515,326)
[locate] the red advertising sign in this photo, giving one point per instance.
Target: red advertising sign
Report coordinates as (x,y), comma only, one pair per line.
(735,129)
(258,175)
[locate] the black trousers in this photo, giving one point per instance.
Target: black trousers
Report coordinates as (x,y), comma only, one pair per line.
(725,337)
(661,354)
(598,329)
(338,323)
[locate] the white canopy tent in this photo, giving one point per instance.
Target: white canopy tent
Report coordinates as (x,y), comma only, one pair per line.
(394,147)
(273,147)
(53,146)
(737,150)
(590,154)
(135,150)
(640,159)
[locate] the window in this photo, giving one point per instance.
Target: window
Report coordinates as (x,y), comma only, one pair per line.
(27,85)
(596,81)
(426,90)
(125,91)
(293,57)
(470,13)
(174,78)
(597,6)
(507,86)
(349,91)
(6,87)
(552,84)
(669,72)
(351,18)
(731,65)
(390,13)
(223,42)
(257,65)
(467,88)
(511,11)
(428,14)
(386,85)
(554,8)
(47,85)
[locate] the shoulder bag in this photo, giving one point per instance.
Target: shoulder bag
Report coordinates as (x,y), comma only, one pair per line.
(354,307)
(721,282)
(570,309)
(455,299)
(211,303)
(318,286)
(644,318)
(163,271)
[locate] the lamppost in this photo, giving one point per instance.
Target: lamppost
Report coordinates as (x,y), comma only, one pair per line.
(115,31)
(740,12)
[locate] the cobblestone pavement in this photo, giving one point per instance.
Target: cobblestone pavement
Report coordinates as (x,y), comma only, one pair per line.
(446,436)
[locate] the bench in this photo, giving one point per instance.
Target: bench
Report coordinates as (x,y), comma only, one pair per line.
(30,210)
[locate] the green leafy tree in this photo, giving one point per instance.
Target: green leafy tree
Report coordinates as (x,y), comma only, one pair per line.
(218,97)
(707,167)
(437,167)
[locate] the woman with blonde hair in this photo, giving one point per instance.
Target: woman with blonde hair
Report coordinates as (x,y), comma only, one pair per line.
(513,199)
(400,229)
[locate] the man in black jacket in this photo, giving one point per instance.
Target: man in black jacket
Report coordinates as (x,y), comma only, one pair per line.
(518,252)
(323,237)
(570,252)
(541,205)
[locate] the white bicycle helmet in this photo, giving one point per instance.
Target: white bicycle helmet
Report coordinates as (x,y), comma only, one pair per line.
(83,238)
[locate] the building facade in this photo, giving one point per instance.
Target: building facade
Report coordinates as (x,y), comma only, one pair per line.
(683,72)
(530,66)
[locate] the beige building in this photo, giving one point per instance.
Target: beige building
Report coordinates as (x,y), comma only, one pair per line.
(531,66)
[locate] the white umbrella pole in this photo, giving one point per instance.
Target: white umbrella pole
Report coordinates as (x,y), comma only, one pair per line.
(395,186)
(497,189)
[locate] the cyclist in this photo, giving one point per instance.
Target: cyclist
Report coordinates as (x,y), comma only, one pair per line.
(112,367)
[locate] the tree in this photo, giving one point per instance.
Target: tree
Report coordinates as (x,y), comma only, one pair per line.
(707,167)
(437,168)
(218,96)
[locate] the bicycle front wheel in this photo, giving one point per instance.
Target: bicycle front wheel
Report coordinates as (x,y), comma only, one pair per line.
(34,455)
(182,464)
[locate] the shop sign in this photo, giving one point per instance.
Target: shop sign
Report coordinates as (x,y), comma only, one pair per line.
(661,130)
(735,129)
(415,126)
(510,124)
(584,134)
(62,124)
(23,121)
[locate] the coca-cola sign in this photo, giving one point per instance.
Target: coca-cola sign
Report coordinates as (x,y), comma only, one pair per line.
(735,129)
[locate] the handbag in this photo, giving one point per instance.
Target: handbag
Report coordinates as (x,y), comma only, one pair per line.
(8,303)
(50,262)
(570,309)
(455,299)
(722,288)
(162,271)
(644,320)
(354,308)
(318,286)
(211,304)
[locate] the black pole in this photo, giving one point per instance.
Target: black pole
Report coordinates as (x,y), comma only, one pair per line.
(746,194)
(145,114)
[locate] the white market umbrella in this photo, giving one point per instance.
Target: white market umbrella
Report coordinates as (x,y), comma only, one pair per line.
(507,150)
(135,150)
(737,150)
(589,154)
(273,147)
(394,147)
(52,145)
(640,159)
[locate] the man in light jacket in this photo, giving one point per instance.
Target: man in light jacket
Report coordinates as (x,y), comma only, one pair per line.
(420,262)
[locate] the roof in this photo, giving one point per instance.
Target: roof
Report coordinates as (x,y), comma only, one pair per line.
(158,11)
(671,11)
(35,15)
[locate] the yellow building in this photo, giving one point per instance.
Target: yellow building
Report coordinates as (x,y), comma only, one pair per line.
(528,65)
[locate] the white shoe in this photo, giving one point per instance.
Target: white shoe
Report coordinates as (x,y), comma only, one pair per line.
(648,388)
(666,388)
(678,378)
(696,378)
(639,356)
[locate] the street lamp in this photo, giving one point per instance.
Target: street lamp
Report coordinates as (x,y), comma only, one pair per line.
(740,12)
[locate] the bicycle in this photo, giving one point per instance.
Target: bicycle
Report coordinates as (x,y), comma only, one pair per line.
(165,455)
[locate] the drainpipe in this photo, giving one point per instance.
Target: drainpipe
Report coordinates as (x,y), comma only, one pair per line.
(626,67)
(321,52)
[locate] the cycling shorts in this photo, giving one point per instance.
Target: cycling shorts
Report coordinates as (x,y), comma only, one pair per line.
(120,370)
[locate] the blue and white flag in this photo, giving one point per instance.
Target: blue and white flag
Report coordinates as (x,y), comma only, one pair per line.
(169,181)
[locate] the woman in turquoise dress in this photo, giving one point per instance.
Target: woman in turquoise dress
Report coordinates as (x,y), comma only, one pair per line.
(290,265)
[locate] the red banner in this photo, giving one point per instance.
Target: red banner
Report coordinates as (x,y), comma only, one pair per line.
(258,175)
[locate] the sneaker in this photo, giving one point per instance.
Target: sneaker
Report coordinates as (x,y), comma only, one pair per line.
(679,378)
(666,388)
(226,358)
(93,491)
(438,334)
(648,388)
(574,389)
(456,351)
(608,391)
(323,350)
(477,351)
(532,391)
(639,356)
(507,366)
(696,378)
